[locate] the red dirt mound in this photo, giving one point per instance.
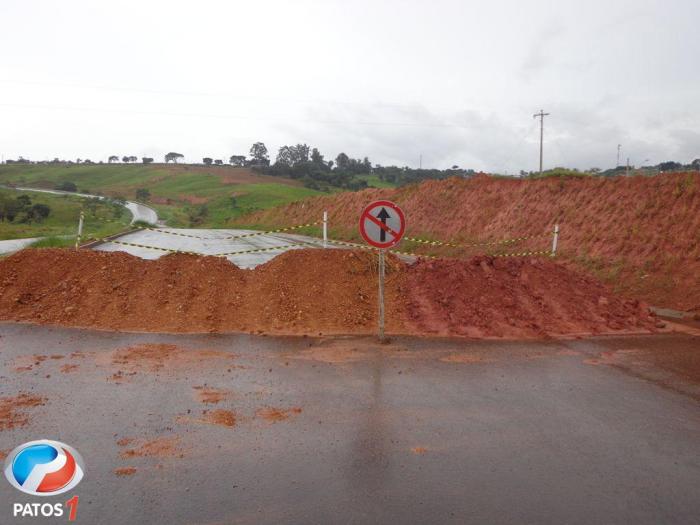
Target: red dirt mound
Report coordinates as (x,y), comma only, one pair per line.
(641,234)
(485,297)
(306,291)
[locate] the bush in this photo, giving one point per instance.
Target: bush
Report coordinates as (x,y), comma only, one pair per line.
(66,186)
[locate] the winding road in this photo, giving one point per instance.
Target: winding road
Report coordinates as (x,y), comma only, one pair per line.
(139,212)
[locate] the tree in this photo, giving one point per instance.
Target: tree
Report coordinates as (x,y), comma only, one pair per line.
(258,152)
(237,160)
(133,159)
(342,162)
(39,212)
(142,194)
(146,160)
(669,165)
(172,156)
(695,164)
(67,186)
(219,162)
(126,159)
(207,161)
(316,157)
(113,158)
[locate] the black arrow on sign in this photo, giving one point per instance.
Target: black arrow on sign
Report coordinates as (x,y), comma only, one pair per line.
(383,216)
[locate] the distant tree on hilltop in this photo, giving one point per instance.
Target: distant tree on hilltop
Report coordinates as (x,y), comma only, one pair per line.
(237,160)
(258,152)
(146,160)
(113,158)
(172,156)
(207,161)
(218,162)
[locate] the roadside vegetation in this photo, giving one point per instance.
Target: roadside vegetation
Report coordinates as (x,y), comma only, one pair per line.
(33,214)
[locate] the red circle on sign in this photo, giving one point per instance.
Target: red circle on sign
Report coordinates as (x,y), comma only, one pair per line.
(367,216)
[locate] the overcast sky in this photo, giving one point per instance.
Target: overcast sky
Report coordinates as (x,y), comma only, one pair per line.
(455,81)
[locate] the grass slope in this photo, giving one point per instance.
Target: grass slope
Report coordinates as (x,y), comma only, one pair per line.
(177,191)
(101,219)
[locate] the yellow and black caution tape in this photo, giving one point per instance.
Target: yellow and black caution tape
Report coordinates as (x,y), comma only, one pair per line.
(233,237)
(269,249)
(476,244)
(365,247)
(114,241)
(178,234)
(280,230)
(522,254)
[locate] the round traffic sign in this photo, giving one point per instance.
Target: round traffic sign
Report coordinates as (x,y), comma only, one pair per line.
(382,224)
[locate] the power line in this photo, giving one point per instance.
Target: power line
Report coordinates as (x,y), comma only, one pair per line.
(238,117)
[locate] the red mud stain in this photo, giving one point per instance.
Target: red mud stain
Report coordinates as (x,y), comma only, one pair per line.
(219,417)
(154,357)
(66,369)
(57,356)
(3,454)
(340,351)
(211,396)
(568,352)
(125,441)
(12,413)
(464,359)
(125,471)
(163,447)
(273,415)
(419,450)
(23,368)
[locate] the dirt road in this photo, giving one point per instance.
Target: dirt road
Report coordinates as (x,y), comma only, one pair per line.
(241,429)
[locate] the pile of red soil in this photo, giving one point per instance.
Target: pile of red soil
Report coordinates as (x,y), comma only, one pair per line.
(641,234)
(486,297)
(307,292)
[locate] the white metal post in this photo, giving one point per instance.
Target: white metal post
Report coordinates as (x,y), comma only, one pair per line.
(555,240)
(80,230)
(325,229)
(381,296)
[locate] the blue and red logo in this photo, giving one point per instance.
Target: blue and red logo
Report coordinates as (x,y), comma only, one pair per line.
(44,468)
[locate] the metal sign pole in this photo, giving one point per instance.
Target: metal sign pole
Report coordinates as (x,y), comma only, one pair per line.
(381,296)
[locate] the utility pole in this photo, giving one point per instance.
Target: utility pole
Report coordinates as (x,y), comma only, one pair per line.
(420,162)
(618,155)
(541,114)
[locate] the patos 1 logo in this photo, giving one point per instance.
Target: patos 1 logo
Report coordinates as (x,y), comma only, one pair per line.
(44,468)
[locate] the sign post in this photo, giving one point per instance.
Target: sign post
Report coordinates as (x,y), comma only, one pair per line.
(382,224)
(80,230)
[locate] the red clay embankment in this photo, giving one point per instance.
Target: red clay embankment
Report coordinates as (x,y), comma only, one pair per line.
(640,234)
(310,292)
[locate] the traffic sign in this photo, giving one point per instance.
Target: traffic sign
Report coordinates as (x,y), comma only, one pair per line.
(382,224)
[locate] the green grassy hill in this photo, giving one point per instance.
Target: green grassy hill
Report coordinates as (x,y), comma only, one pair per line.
(101,218)
(185,196)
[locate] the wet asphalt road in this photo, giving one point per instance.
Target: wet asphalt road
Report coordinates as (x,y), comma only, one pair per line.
(419,431)
(211,242)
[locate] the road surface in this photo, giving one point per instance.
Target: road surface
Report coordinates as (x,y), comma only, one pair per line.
(237,429)
(15,245)
(211,242)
